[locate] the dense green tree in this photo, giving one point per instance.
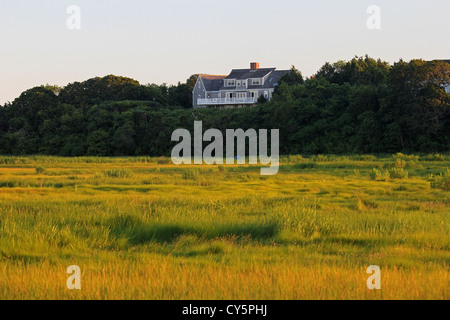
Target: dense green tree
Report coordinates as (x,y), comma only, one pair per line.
(293,77)
(416,107)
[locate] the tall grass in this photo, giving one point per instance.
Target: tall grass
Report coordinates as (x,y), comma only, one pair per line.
(152,230)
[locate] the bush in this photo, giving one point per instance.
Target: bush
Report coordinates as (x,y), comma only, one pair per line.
(191,174)
(400,163)
(377,175)
(406,157)
(398,173)
(40,170)
(406,161)
(435,157)
(441,181)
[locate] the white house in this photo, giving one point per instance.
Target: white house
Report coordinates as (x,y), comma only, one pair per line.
(240,88)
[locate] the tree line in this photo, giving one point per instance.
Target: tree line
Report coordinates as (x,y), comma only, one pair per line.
(358,106)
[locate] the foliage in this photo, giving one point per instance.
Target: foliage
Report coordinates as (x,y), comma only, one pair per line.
(442,181)
(376,174)
(40,170)
(398,173)
(360,106)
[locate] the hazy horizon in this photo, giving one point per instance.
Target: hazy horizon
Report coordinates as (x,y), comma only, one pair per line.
(166,42)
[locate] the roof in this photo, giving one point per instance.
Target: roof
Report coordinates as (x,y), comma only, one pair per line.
(212,82)
(239,74)
(272,80)
(216,82)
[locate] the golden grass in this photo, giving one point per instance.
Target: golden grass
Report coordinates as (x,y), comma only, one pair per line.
(306,233)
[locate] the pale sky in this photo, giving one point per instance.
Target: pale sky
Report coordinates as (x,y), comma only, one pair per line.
(165,41)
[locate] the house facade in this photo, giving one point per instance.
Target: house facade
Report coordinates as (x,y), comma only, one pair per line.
(242,87)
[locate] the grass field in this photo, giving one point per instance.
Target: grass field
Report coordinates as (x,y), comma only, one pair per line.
(142,228)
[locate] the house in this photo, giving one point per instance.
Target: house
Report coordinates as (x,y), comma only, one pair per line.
(242,87)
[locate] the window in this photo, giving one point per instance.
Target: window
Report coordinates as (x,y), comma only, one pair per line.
(266,94)
(256,82)
(241,95)
(238,83)
(231,83)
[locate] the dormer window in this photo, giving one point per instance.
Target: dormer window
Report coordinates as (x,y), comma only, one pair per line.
(231,83)
(256,82)
(239,83)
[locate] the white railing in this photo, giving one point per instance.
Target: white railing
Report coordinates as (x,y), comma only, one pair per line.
(214,101)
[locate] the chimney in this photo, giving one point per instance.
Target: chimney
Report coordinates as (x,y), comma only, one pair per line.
(254,65)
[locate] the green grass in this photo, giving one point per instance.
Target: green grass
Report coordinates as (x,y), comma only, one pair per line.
(143,228)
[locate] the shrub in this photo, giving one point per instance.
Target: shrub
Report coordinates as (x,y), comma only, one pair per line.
(400,163)
(40,170)
(191,174)
(441,181)
(398,173)
(406,157)
(405,161)
(377,175)
(435,157)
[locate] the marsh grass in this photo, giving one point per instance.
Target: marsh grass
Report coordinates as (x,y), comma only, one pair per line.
(152,230)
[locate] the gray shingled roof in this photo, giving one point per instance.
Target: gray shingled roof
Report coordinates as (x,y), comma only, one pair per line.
(272,80)
(212,84)
(240,74)
(216,83)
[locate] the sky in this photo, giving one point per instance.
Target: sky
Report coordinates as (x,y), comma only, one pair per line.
(166,41)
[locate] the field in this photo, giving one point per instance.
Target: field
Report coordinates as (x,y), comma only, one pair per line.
(143,228)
